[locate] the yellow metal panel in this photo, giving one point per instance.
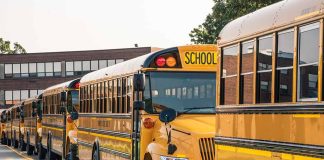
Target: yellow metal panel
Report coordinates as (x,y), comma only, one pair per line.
(199,56)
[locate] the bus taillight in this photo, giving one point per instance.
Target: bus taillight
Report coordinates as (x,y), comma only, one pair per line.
(148,123)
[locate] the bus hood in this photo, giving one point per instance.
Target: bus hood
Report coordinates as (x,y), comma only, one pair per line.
(195,124)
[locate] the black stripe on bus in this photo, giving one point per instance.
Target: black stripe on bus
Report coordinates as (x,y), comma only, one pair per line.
(283,147)
(53,115)
(53,125)
(105,132)
(106,150)
(105,115)
(279,109)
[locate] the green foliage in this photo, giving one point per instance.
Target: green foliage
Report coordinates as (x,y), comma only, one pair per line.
(5,48)
(224,11)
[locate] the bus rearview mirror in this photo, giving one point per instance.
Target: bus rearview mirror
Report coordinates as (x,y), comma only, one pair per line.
(34,105)
(63,96)
(168,115)
(139,82)
(139,105)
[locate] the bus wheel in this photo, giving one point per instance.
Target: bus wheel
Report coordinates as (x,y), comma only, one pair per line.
(147,156)
(29,148)
(15,140)
(3,138)
(41,151)
(96,151)
(22,144)
(8,140)
(50,155)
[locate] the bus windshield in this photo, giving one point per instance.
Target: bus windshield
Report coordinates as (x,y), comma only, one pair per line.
(185,92)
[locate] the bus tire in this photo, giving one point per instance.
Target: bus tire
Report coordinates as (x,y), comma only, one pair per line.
(147,156)
(29,148)
(50,154)
(3,138)
(8,140)
(96,151)
(22,144)
(41,151)
(15,140)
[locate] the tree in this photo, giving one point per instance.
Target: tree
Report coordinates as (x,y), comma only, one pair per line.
(224,11)
(5,48)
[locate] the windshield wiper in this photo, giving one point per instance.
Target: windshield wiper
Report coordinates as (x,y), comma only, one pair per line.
(192,108)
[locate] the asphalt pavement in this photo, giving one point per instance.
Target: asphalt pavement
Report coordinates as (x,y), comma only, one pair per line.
(8,153)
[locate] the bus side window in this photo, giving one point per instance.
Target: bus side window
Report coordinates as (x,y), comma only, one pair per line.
(247,63)
(229,75)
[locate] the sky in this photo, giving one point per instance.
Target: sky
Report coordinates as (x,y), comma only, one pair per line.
(69,25)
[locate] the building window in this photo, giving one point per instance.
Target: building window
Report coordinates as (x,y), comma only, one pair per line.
(41,69)
(229,75)
(86,66)
(77,68)
(33,93)
(32,70)
(247,72)
(57,69)
(8,71)
(94,65)
(24,70)
(8,97)
(24,94)
(102,64)
(16,70)
(119,61)
(264,78)
(49,69)
(111,62)
(69,68)
(308,62)
(284,67)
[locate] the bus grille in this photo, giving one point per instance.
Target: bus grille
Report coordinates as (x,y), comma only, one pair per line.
(207,148)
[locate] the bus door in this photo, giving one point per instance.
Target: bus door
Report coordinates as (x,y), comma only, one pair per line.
(138,83)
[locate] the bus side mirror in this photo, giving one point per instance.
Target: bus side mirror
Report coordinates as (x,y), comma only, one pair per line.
(63,96)
(139,82)
(34,114)
(34,105)
(168,115)
(139,105)
(21,115)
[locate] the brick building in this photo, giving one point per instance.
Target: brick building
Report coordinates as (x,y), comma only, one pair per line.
(23,76)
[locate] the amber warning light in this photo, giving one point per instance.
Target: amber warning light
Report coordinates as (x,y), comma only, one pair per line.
(166,61)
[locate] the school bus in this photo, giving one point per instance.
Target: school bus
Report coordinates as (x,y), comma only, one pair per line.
(3,127)
(270,97)
(59,105)
(32,124)
(156,106)
(8,128)
(16,124)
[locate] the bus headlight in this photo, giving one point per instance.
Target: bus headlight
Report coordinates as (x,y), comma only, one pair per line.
(39,131)
(22,130)
(172,158)
(73,136)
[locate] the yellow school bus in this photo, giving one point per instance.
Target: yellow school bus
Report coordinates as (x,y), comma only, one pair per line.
(59,103)
(3,127)
(8,123)
(16,124)
(32,124)
(156,106)
(271,84)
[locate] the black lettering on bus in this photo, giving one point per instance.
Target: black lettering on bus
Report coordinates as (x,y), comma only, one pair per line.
(203,58)
(188,58)
(209,58)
